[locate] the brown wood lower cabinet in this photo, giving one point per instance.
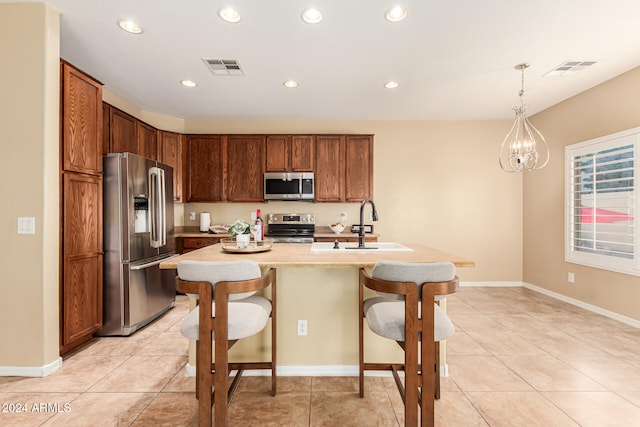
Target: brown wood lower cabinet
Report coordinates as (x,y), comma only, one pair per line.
(81,281)
(188,244)
(82,299)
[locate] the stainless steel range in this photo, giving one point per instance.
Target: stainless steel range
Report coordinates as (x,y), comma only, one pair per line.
(291,227)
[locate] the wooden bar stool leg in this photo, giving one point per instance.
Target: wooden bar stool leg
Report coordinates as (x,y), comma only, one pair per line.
(436,372)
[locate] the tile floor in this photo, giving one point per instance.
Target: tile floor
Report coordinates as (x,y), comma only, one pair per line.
(518,358)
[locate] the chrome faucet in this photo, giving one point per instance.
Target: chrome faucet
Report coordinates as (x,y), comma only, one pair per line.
(374,217)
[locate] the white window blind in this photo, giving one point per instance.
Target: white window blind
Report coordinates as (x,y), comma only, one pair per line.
(601,210)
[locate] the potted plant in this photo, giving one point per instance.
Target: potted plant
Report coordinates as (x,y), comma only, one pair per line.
(240,230)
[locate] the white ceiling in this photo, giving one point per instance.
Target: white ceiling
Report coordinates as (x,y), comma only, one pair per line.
(454,59)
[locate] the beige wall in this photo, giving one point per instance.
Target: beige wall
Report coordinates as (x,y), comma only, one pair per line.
(160,121)
(610,107)
(29,114)
(436,183)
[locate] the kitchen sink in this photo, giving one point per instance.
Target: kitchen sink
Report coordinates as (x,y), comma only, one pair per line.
(353,247)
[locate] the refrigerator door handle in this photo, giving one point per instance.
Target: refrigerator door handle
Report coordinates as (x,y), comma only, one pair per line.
(162,207)
(135,267)
(158,214)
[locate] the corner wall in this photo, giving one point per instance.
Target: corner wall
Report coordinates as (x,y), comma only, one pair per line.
(608,108)
(29,187)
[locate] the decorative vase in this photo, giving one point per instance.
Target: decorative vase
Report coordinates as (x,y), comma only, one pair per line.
(242,240)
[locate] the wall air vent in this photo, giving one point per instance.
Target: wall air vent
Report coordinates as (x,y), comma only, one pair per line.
(224,67)
(568,68)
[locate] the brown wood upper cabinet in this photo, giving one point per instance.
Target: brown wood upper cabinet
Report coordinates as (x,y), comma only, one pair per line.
(358,182)
(245,168)
(329,170)
(81,121)
(289,153)
(344,168)
(126,134)
(170,153)
(122,132)
(206,162)
(147,139)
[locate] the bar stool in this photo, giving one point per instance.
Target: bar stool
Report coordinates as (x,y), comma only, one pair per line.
(227,310)
(405,312)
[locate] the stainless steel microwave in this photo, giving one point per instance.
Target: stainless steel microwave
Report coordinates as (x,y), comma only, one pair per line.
(288,186)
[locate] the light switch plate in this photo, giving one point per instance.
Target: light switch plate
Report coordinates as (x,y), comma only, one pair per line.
(26,225)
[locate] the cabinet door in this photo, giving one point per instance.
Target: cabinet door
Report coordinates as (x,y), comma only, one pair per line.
(81,121)
(206,159)
(302,153)
(358,167)
(189,244)
(277,153)
(106,126)
(81,311)
(170,151)
(329,170)
(245,168)
(147,140)
(122,132)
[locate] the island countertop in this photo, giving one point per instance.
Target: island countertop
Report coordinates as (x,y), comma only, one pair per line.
(300,255)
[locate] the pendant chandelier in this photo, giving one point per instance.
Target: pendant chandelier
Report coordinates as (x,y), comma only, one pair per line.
(524,146)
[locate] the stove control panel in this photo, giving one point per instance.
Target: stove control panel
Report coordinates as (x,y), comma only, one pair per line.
(291,218)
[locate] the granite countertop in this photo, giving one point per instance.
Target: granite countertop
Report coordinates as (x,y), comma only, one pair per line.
(300,255)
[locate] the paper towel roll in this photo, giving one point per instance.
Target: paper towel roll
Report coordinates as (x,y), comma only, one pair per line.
(205,221)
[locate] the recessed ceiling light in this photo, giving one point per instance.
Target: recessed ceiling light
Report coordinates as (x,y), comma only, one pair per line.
(290,83)
(396,14)
(130,26)
(391,85)
(229,14)
(188,83)
(312,16)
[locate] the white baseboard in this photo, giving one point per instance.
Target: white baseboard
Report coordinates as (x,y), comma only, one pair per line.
(492,284)
(31,371)
(610,314)
(315,371)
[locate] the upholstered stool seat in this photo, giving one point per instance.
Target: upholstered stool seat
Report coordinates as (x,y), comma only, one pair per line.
(386,318)
(246,317)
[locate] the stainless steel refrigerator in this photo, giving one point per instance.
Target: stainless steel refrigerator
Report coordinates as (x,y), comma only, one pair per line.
(138,236)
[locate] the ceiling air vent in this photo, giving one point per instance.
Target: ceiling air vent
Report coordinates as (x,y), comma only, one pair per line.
(224,67)
(569,67)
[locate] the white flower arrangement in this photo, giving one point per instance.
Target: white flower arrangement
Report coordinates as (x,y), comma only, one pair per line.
(239,227)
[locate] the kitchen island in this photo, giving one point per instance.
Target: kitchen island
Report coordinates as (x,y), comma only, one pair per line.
(320,287)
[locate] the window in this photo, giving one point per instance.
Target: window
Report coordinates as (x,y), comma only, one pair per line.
(602,202)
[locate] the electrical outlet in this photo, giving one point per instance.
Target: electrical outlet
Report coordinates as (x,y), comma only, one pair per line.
(571,278)
(343,217)
(302,327)
(192,216)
